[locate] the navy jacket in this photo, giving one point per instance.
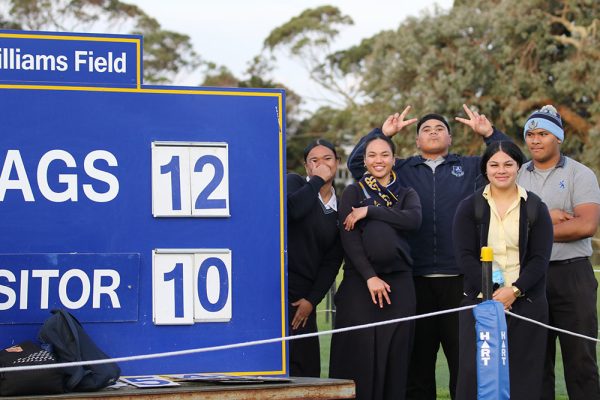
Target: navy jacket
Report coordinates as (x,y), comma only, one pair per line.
(456,178)
(535,247)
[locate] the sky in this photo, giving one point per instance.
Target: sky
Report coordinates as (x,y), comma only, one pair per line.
(231,32)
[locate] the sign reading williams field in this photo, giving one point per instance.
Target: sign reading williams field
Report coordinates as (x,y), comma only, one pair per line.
(41,57)
(153,214)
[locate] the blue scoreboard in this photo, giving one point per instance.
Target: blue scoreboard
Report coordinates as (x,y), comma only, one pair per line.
(154,214)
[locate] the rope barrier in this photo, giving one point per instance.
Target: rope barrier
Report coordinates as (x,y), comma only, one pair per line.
(552,328)
(276,340)
(231,346)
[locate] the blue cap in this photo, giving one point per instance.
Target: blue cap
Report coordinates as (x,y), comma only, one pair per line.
(548,119)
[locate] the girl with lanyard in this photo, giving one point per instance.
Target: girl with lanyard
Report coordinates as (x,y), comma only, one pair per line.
(377,215)
(314,250)
(522,250)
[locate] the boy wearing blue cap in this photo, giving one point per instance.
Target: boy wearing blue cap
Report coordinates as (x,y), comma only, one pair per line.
(571,192)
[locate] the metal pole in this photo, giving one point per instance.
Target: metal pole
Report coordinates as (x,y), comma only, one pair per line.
(487,256)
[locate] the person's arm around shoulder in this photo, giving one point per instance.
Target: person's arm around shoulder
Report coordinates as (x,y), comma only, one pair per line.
(356,159)
(391,126)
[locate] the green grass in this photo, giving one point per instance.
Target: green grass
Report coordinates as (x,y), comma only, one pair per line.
(441,366)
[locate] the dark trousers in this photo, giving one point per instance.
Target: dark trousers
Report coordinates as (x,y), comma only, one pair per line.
(571,289)
(376,358)
(434,294)
(305,354)
(526,349)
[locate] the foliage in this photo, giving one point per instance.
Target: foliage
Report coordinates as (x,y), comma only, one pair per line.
(166,53)
(308,38)
(220,76)
(327,123)
(507,58)
(258,72)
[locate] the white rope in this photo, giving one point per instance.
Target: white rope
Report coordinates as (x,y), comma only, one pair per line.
(552,328)
(276,340)
(232,346)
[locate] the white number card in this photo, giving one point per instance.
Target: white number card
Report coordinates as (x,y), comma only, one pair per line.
(190,179)
(191,285)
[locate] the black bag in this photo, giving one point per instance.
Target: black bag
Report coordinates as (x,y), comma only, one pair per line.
(38,381)
(70,343)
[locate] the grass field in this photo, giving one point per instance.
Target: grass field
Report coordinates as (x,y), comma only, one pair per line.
(324,322)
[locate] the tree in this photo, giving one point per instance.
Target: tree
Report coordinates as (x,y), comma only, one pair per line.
(258,76)
(166,53)
(219,76)
(308,38)
(505,57)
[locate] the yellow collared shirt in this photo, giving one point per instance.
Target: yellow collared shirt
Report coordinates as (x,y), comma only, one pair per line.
(503,236)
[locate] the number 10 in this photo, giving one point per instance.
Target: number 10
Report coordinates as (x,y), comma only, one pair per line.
(191,287)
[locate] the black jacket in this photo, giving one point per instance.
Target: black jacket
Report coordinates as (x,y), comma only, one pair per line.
(314,248)
(378,243)
(535,246)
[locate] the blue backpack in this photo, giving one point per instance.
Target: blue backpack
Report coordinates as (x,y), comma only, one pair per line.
(71,343)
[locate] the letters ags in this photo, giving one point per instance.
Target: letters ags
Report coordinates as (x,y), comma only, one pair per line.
(13,176)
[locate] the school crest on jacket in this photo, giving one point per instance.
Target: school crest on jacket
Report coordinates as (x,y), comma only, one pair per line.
(457,171)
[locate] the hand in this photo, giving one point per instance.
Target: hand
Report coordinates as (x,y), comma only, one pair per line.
(558,216)
(478,122)
(395,123)
(506,296)
(356,215)
(323,171)
(304,309)
(379,290)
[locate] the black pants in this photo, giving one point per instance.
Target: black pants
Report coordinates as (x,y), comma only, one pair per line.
(376,358)
(305,354)
(526,348)
(434,294)
(571,289)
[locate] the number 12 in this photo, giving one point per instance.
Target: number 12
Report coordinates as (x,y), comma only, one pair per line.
(190,176)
